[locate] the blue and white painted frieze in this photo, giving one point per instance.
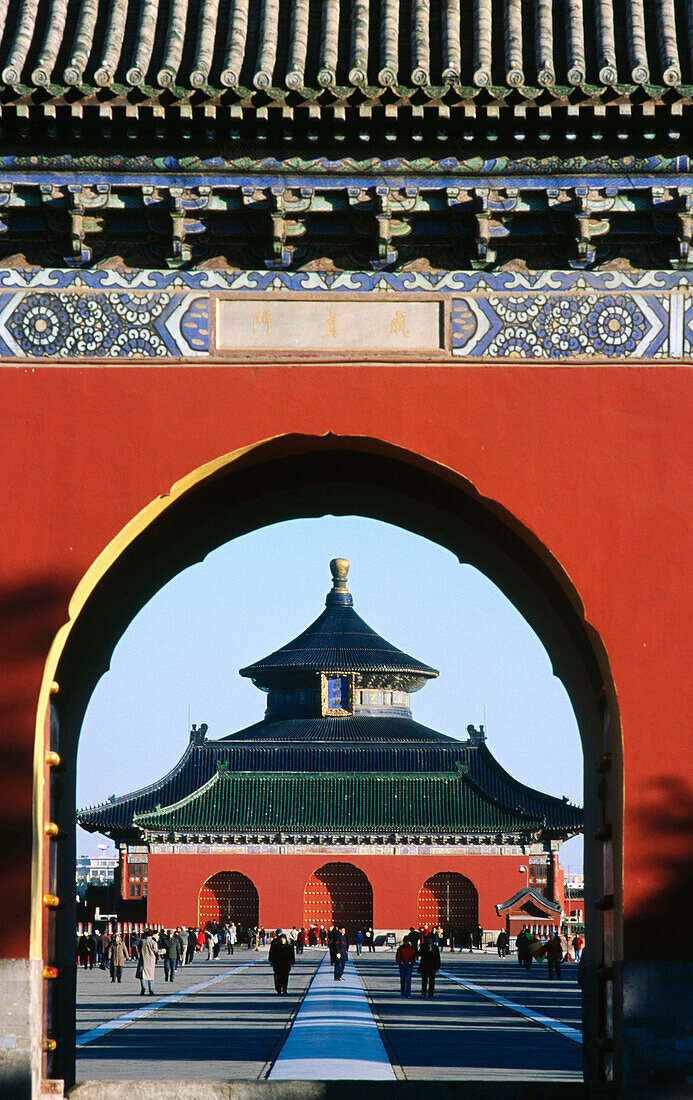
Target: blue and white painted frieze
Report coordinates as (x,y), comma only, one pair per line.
(103,316)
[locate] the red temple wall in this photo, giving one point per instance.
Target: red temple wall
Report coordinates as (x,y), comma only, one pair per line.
(280,880)
(594,460)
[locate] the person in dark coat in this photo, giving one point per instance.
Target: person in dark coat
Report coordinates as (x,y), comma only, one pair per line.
(502,944)
(104,941)
(93,946)
(341,949)
(281,958)
(429,965)
(83,950)
(524,956)
(331,936)
(370,939)
(554,955)
(169,944)
(414,938)
(191,946)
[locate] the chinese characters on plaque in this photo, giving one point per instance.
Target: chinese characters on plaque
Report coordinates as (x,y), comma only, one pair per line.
(332,325)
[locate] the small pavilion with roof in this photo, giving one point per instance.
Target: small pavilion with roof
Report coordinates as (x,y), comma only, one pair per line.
(338,805)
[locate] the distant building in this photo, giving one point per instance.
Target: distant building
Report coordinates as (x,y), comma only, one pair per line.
(95,871)
(338,806)
(575,898)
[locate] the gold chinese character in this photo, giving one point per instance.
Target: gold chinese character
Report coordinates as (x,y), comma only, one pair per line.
(263,318)
(331,325)
(399,324)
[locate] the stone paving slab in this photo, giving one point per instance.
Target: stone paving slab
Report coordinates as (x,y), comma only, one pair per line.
(325,1090)
(230,1030)
(334,1035)
(460,1036)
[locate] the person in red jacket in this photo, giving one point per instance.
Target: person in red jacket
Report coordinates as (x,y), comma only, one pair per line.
(405,959)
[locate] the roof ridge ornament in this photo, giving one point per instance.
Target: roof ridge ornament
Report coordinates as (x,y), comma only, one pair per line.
(339,595)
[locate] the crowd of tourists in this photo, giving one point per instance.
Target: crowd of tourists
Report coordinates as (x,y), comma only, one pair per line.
(418,952)
(552,949)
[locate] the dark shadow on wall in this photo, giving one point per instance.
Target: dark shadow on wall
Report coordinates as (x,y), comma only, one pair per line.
(30,615)
(657,932)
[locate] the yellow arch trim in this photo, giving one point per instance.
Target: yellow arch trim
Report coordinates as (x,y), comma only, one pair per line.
(81,594)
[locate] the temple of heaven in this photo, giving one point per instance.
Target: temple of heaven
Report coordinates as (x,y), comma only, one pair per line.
(338,805)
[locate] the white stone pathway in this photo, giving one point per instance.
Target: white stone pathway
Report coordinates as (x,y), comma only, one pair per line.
(334,1036)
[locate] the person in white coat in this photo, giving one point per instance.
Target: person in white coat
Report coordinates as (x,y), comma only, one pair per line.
(149,952)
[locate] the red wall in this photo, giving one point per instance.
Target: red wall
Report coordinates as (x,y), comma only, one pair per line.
(594,460)
(175,881)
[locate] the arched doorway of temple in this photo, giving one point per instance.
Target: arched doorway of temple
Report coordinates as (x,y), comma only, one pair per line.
(448,899)
(370,479)
(338,893)
(226,896)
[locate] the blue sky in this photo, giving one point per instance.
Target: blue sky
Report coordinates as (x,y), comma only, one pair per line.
(178,661)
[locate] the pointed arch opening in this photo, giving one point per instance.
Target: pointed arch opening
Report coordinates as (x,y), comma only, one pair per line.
(449,900)
(338,894)
(301,477)
(228,896)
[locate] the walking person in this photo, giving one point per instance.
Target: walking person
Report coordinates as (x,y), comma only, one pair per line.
(331,936)
(370,939)
(104,941)
(117,954)
(232,939)
(149,952)
(429,965)
(92,948)
(501,944)
(554,955)
(578,944)
(191,945)
(524,957)
(281,958)
(405,959)
(169,945)
(83,950)
(341,953)
(358,940)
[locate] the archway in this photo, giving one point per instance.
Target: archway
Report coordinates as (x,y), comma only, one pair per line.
(228,896)
(450,900)
(340,894)
(295,476)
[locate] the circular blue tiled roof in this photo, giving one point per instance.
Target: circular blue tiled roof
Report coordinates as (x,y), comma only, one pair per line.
(338,641)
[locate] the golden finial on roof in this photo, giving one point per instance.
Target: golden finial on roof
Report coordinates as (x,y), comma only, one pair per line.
(339,567)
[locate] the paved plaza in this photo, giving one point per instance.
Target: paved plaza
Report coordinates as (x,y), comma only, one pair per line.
(222,1020)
